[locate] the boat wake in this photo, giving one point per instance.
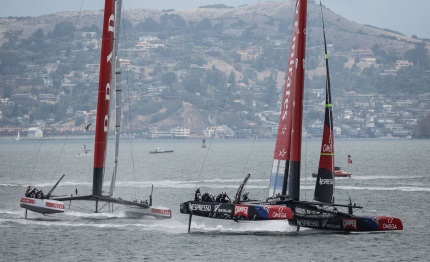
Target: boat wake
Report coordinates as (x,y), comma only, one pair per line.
(396,188)
(244,227)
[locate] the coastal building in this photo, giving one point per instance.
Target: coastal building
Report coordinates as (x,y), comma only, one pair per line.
(34,132)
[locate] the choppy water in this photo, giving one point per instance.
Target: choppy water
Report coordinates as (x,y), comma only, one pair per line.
(390,177)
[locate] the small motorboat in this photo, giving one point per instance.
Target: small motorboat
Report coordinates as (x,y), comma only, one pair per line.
(338,172)
(160,150)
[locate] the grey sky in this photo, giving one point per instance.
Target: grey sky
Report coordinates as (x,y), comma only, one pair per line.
(406,16)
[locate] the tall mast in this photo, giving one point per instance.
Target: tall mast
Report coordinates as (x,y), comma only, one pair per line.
(293,186)
(118,96)
(285,178)
(324,187)
(104,96)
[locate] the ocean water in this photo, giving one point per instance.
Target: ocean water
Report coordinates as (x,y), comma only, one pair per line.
(389,177)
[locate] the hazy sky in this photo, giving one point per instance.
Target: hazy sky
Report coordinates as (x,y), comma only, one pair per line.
(406,16)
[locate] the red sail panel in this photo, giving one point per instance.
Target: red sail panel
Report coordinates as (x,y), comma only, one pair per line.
(298,81)
(327,146)
(292,105)
(104,94)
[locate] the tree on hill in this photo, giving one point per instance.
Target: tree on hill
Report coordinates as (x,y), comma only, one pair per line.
(63,29)
(419,55)
(422,129)
(149,25)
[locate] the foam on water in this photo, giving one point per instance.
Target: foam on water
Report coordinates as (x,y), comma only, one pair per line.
(244,226)
(393,188)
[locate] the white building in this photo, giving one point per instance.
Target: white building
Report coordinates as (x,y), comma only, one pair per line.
(34,132)
(219,131)
(180,132)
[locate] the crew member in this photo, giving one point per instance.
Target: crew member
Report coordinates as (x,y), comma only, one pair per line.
(197,196)
(218,197)
(27,192)
(245,196)
(224,198)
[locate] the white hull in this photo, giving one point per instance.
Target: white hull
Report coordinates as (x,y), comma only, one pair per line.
(44,206)
(157,212)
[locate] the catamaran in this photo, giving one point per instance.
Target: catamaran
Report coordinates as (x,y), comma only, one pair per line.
(284,185)
(109,80)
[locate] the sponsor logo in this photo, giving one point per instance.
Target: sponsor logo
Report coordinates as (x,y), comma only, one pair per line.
(198,207)
(54,205)
(308,223)
(389,226)
(332,226)
(280,212)
(241,210)
(27,200)
(221,210)
(324,181)
(350,223)
(328,225)
(161,211)
(327,148)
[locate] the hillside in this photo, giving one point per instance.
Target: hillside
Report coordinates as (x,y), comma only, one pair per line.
(345,33)
(197,68)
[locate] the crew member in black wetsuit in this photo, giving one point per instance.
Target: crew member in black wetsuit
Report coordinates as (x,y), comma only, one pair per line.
(218,197)
(245,196)
(197,196)
(224,198)
(27,193)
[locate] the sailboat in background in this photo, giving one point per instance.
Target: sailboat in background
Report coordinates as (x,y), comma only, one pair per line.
(18,136)
(284,185)
(109,69)
(86,152)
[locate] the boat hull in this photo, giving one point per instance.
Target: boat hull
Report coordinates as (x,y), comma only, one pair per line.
(43,206)
(156,212)
(336,174)
(348,223)
(243,211)
(161,152)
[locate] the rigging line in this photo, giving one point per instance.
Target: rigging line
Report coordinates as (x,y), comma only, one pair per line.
(52,105)
(129,124)
(62,71)
(271,90)
(217,116)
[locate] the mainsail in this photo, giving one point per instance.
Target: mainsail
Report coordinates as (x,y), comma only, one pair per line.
(104,96)
(285,178)
(324,188)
